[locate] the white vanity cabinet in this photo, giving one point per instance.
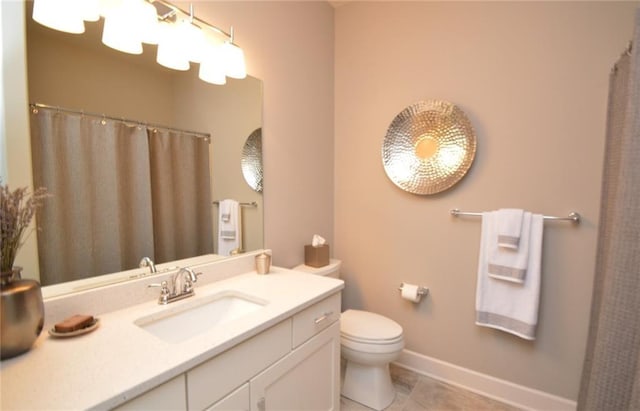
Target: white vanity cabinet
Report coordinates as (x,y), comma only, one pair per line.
(293,365)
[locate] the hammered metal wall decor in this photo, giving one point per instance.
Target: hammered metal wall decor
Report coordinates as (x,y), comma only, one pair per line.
(429,147)
(251,161)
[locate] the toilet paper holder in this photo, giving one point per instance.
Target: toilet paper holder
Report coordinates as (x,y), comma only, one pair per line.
(422,291)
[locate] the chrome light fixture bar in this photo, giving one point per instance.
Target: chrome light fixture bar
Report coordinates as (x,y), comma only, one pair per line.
(180,35)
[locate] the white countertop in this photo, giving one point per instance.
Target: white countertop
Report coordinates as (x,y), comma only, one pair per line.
(120,360)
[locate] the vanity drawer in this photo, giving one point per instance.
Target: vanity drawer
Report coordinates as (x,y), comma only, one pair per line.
(168,396)
(237,400)
(213,379)
(316,318)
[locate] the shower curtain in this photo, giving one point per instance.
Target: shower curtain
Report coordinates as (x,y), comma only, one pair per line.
(119,192)
(611,371)
(97,219)
(181,194)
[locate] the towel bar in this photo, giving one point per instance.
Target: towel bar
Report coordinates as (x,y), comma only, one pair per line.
(251,204)
(573,216)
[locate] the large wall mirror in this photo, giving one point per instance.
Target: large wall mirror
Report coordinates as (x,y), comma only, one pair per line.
(77,72)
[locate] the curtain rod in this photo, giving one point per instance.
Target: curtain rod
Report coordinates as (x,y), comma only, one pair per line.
(35,106)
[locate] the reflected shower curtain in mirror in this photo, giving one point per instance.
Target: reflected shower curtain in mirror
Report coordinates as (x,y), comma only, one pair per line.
(89,228)
(611,372)
(181,199)
(119,192)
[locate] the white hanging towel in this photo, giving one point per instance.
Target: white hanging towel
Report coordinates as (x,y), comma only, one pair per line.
(510,227)
(505,305)
(508,263)
(229,227)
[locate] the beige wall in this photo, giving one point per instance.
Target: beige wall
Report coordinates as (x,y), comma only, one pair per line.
(289,45)
(96,79)
(532,78)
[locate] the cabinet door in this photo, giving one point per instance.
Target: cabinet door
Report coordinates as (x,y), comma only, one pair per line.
(306,379)
(171,395)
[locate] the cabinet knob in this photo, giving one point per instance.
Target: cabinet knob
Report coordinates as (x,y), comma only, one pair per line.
(261,404)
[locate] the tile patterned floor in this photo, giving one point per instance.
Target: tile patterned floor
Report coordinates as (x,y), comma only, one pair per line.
(416,392)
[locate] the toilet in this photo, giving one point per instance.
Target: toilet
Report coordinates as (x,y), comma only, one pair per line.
(368,343)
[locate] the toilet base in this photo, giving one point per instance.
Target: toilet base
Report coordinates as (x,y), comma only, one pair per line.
(369,385)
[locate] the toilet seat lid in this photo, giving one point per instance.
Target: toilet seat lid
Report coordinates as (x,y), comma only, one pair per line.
(367,326)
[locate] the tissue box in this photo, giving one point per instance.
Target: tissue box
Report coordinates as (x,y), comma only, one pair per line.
(316,256)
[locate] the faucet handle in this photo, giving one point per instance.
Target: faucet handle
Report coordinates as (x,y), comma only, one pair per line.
(191,279)
(164,291)
(164,285)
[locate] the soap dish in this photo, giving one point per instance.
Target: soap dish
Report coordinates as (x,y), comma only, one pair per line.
(92,326)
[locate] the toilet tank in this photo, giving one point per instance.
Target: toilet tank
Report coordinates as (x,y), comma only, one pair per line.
(330,270)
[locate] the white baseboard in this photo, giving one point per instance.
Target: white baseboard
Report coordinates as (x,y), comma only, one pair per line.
(501,390)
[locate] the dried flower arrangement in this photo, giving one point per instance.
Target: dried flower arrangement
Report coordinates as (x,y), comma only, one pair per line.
(17,208)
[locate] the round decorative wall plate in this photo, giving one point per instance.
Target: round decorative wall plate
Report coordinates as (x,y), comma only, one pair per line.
(429,147)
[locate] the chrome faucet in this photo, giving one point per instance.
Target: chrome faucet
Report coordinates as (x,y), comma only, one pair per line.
(182,281)
(180,286)
(147,262)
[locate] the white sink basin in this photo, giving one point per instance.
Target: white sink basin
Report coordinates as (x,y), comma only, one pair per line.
(188,319)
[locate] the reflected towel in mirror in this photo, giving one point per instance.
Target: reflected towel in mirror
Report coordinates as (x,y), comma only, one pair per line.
(229,227)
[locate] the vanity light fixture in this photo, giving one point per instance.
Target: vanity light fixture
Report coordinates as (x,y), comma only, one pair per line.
(181,36)
(65,15)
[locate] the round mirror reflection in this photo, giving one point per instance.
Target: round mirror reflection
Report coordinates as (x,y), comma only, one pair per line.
(251,160)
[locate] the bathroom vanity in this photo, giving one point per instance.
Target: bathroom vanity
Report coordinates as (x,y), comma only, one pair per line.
(273,343)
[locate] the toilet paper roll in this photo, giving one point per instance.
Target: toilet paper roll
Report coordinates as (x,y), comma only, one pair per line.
(410,292)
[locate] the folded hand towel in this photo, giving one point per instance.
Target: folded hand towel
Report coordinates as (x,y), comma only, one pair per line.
(505,305)
(508,263)
(510,227)
(229,231)
(225,210)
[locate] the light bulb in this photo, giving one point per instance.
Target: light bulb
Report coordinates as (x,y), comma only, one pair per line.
(121,31)
(148,23)
(192,39)
(171,52)
(234,61)
(62,15)
(90,10)
(106,6)
(212,68)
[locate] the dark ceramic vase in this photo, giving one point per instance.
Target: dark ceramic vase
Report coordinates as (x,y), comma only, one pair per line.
(21,313)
